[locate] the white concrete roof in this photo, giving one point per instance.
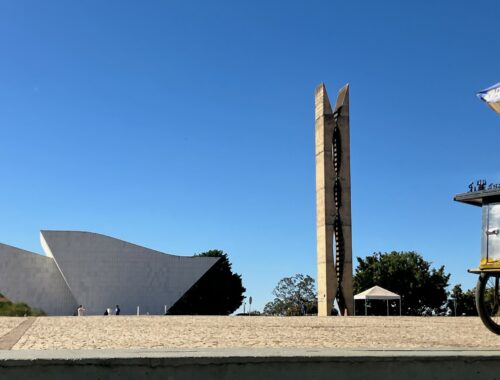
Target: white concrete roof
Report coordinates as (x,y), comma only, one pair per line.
(377,293)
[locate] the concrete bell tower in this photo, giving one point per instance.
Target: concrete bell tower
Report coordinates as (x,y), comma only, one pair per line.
(333,202)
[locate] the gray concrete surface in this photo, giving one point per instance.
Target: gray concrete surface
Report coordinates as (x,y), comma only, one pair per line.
(34,279)
(251,364)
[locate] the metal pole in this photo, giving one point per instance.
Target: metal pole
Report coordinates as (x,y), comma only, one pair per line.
(487,228)
(400,307)
(387,302)
(365,308)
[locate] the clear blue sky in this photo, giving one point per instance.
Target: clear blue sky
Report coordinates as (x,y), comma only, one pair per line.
(185,126)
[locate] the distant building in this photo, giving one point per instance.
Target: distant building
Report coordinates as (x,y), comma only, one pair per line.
(98,272)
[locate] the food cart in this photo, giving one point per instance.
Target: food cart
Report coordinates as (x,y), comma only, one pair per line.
(487,289)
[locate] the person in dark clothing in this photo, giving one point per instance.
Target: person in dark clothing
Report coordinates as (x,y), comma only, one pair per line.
(117,310)
(303,309)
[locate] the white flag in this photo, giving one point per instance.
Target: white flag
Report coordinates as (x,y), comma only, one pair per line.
(491,96)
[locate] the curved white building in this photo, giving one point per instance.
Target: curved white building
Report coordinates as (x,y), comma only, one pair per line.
(98,272)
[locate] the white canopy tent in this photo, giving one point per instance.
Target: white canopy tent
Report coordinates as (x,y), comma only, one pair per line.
(378,293)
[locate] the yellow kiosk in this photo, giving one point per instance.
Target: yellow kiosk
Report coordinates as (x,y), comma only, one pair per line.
(487,290)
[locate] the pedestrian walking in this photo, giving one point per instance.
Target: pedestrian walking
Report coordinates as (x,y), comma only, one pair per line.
(81,311)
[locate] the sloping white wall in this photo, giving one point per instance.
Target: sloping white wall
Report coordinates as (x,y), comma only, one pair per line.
(34,279)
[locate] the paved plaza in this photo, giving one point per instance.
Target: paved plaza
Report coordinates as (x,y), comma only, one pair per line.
(171,332)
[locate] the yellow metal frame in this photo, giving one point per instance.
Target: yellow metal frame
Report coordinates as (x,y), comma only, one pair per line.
(484,264)
(483,270)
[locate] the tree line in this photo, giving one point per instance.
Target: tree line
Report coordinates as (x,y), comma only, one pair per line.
(423,289)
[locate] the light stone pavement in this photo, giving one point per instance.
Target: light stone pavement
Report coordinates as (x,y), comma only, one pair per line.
(8,340)
(146,332)
(8,324)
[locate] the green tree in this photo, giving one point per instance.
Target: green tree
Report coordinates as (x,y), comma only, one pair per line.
(461,303)
(290,294)
(19,309)
(407,274)
(218,292)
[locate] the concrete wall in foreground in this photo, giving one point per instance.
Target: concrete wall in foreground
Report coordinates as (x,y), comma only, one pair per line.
(34,279)
(102,272)
(299,364)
